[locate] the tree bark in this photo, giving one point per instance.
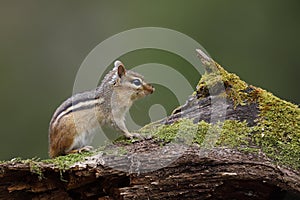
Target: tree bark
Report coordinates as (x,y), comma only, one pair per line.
(220,172)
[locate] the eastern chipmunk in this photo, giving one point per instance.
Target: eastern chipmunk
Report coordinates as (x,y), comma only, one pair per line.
(75,122)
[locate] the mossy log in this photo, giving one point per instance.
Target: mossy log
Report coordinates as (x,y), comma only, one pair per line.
(255,153)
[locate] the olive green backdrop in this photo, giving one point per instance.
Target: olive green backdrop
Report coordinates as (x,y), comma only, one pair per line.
(43,43)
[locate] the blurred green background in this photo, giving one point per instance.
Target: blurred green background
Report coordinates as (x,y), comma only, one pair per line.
(43,43)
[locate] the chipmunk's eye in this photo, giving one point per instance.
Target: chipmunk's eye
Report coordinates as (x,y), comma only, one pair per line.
(136,82)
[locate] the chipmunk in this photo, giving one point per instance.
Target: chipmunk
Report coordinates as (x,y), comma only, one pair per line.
(75,122)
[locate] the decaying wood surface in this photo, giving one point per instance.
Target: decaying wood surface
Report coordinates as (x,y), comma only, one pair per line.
(211,174)
(186,172)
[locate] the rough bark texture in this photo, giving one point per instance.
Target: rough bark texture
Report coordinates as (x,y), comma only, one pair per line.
(197,174)
(150,170)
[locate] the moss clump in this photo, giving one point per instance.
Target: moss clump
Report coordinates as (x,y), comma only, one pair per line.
(65,162)
(35,166)
(279,129)
(232,133)
(203,127)
(180,131)
(225,84)
(62,163)
(33,163)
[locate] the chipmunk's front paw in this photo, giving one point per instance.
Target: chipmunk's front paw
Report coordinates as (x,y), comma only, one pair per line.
(85,149)
(81,150)
(133,135)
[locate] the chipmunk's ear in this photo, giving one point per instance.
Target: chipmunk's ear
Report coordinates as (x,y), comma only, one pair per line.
(120,67)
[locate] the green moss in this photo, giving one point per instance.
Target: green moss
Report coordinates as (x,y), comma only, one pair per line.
(279,129)
(181,131)
(231,134)
(62,163)
(65,162)
(234,134)
(33,163)
(203,127)
(35,166)
(226,84)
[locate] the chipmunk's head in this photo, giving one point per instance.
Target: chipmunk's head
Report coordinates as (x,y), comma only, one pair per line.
(131,84)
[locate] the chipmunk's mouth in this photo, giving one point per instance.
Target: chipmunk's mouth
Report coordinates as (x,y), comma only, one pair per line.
(148,89)
(144,91)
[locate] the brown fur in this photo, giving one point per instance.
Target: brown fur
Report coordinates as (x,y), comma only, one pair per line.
(62,136)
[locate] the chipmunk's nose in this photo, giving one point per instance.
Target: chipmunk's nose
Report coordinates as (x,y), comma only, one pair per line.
(149,88)
(152,89)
